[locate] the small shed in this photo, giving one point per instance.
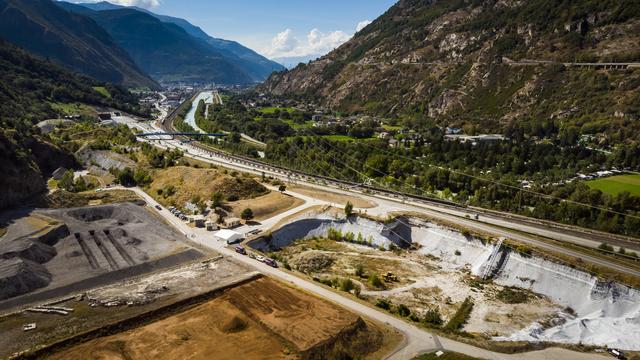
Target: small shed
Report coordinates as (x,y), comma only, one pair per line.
(232,222)
(230,236)
(196,221)
(211,225)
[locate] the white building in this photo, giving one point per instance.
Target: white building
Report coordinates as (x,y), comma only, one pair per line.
(230,236)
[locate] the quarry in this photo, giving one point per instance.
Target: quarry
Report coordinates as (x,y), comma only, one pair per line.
(52,252)
(517,296)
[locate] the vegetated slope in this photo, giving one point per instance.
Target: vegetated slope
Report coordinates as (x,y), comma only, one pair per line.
(256,66)
(70,40)
(27,88)
(449,60)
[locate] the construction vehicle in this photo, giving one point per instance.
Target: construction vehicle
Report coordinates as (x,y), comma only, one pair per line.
(389,277)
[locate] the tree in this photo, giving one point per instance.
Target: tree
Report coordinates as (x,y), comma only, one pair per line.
(247,214)
(359,270)
(282,188)
(348,209)
(216,199)
(66,182)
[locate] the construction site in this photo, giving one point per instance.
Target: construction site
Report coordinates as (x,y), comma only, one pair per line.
(509,295)
(116,281)
(50,253)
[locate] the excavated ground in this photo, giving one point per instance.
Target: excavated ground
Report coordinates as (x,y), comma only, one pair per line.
(259,319)
(81,248)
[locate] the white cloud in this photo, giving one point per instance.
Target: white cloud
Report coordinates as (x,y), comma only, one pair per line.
(362,24)
(147,4)
(285,44)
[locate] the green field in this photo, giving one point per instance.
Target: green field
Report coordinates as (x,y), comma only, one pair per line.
(616,184)
(72,109)
(271,110)
(103,91)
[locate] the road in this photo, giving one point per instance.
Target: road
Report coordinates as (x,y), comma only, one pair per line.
(416,340)
(506,226)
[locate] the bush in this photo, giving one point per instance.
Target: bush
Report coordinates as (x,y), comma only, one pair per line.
(605,247)
(232,197)
(461,316)
(403,310)
(512,295)
(346,285)
(359,270)
(383,304)
(375,281)
(433,317)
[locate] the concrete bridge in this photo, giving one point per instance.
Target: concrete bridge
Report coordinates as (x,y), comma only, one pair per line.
(172,135)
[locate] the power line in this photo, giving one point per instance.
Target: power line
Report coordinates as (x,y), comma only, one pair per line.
(535,193)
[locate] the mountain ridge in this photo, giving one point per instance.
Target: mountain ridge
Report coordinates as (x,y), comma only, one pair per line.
(442,61)
(70,40)
(255,66)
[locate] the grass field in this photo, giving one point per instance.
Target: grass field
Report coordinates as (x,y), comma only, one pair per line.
(271,110)
(103,91)
(72,109)
(616,184)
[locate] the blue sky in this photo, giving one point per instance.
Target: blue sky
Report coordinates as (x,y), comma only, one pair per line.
(275,28)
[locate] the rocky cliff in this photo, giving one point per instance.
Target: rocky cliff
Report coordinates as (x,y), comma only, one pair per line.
(481,61)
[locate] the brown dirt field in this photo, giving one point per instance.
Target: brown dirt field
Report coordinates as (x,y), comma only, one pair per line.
(194,334)
(333,197)
(301,319)
(267,206)
(189,182)
(261,319)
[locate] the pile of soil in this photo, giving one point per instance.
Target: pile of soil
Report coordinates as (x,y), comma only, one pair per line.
(235,324)
(312,262)
(19,276)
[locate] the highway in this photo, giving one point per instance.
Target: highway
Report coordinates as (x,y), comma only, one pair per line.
(507,226)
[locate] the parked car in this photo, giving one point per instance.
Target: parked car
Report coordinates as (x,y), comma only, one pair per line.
(252,256)
(617,354)
(241,250)
(271,262)
(159,207)
(260,258)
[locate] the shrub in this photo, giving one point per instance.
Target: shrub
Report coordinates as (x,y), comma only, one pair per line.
(433,317)
(461,316)
(403,310)
(346,285)
(359,270)
(605,247)
(232,197)
(375,281)
(383,304)
(512,295)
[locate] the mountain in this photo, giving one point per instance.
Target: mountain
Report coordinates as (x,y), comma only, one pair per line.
(256,67)
(70,40)
(29,87)
(455,61)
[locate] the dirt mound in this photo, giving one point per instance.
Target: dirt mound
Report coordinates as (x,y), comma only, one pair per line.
(27,248)
(19,276)
(235,324)
(97,213)
(312,262)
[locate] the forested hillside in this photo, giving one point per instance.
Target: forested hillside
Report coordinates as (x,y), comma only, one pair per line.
(460,62)
(70,40)
(29,88)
